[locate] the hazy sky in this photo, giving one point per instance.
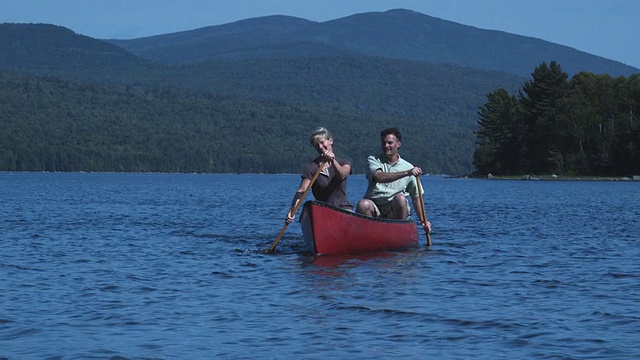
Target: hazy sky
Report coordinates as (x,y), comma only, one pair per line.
(608,28)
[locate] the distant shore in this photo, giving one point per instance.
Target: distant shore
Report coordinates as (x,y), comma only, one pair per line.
(559,178)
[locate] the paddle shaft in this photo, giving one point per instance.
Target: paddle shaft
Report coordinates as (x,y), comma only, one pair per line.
(295,208)
(423,215)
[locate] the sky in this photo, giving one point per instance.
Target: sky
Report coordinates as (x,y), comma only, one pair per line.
(608,28)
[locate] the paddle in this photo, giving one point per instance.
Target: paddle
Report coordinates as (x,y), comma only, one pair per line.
(424,212)
(295,209)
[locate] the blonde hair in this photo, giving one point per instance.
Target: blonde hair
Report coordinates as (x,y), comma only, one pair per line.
(319,132)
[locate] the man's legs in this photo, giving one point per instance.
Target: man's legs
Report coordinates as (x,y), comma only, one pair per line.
(368,208)
(399,207)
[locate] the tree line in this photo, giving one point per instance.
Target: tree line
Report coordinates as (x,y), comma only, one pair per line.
(49,124)
(586,125)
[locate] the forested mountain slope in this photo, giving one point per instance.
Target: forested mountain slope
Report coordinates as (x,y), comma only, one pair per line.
(396,34)
(243,97)
(55,125)
(51,50)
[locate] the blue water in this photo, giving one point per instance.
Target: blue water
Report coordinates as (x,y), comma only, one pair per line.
(98,266)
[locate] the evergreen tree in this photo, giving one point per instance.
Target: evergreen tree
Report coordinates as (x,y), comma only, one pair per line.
(499,135)
(540,99)
(625,151)
(583,117)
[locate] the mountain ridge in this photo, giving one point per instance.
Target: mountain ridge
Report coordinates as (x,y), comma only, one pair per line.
(397,33)
(333,74)
(40,45)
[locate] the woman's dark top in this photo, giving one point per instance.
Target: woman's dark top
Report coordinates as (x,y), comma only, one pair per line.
(328,188)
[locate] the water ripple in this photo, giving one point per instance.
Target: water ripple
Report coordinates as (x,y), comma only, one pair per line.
(169,266)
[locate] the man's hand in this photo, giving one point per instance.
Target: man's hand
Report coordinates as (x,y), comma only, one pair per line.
(416,171)
(427,226)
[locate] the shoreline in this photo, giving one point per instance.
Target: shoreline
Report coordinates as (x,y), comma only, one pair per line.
(558,178)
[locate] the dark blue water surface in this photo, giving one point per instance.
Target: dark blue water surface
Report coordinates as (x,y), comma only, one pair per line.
(168,266)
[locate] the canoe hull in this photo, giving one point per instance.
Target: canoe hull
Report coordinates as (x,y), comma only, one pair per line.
(328,230)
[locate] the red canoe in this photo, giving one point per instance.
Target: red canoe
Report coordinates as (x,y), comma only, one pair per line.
(328,230)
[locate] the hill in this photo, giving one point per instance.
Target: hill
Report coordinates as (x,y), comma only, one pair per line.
(394,34)
(54,50)
(54,125)
(397,88)
(283,75)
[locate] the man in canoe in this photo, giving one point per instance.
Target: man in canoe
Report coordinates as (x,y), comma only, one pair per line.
(391,181)
(330,185)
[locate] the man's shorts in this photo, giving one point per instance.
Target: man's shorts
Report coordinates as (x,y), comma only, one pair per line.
(384,210)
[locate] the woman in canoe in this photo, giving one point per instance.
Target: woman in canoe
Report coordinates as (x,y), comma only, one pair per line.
(331,184)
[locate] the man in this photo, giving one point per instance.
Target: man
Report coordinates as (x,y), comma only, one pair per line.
(391,180)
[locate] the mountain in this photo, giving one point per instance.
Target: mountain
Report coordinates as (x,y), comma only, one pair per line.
(251,91)
(316,73)
(394,34)
(49,48)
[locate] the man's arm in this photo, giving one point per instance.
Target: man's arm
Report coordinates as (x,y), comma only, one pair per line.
(417,206)
(380,176)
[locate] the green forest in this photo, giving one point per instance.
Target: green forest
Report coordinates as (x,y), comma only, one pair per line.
(586,125)
(72,103)
(56,125)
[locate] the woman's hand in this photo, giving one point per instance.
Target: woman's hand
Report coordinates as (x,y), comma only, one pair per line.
(329,156)
(289,218)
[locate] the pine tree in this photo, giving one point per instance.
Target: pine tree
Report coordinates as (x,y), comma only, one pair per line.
(499,135)
(540,99)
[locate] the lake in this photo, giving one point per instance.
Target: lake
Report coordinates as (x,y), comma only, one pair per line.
(168,266)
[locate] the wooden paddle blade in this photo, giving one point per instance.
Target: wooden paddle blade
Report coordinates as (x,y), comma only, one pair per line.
(275,243)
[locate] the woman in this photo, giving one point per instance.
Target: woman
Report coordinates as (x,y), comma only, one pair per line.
(331,185)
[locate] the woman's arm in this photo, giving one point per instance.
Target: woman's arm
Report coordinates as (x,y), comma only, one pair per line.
(304,184)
